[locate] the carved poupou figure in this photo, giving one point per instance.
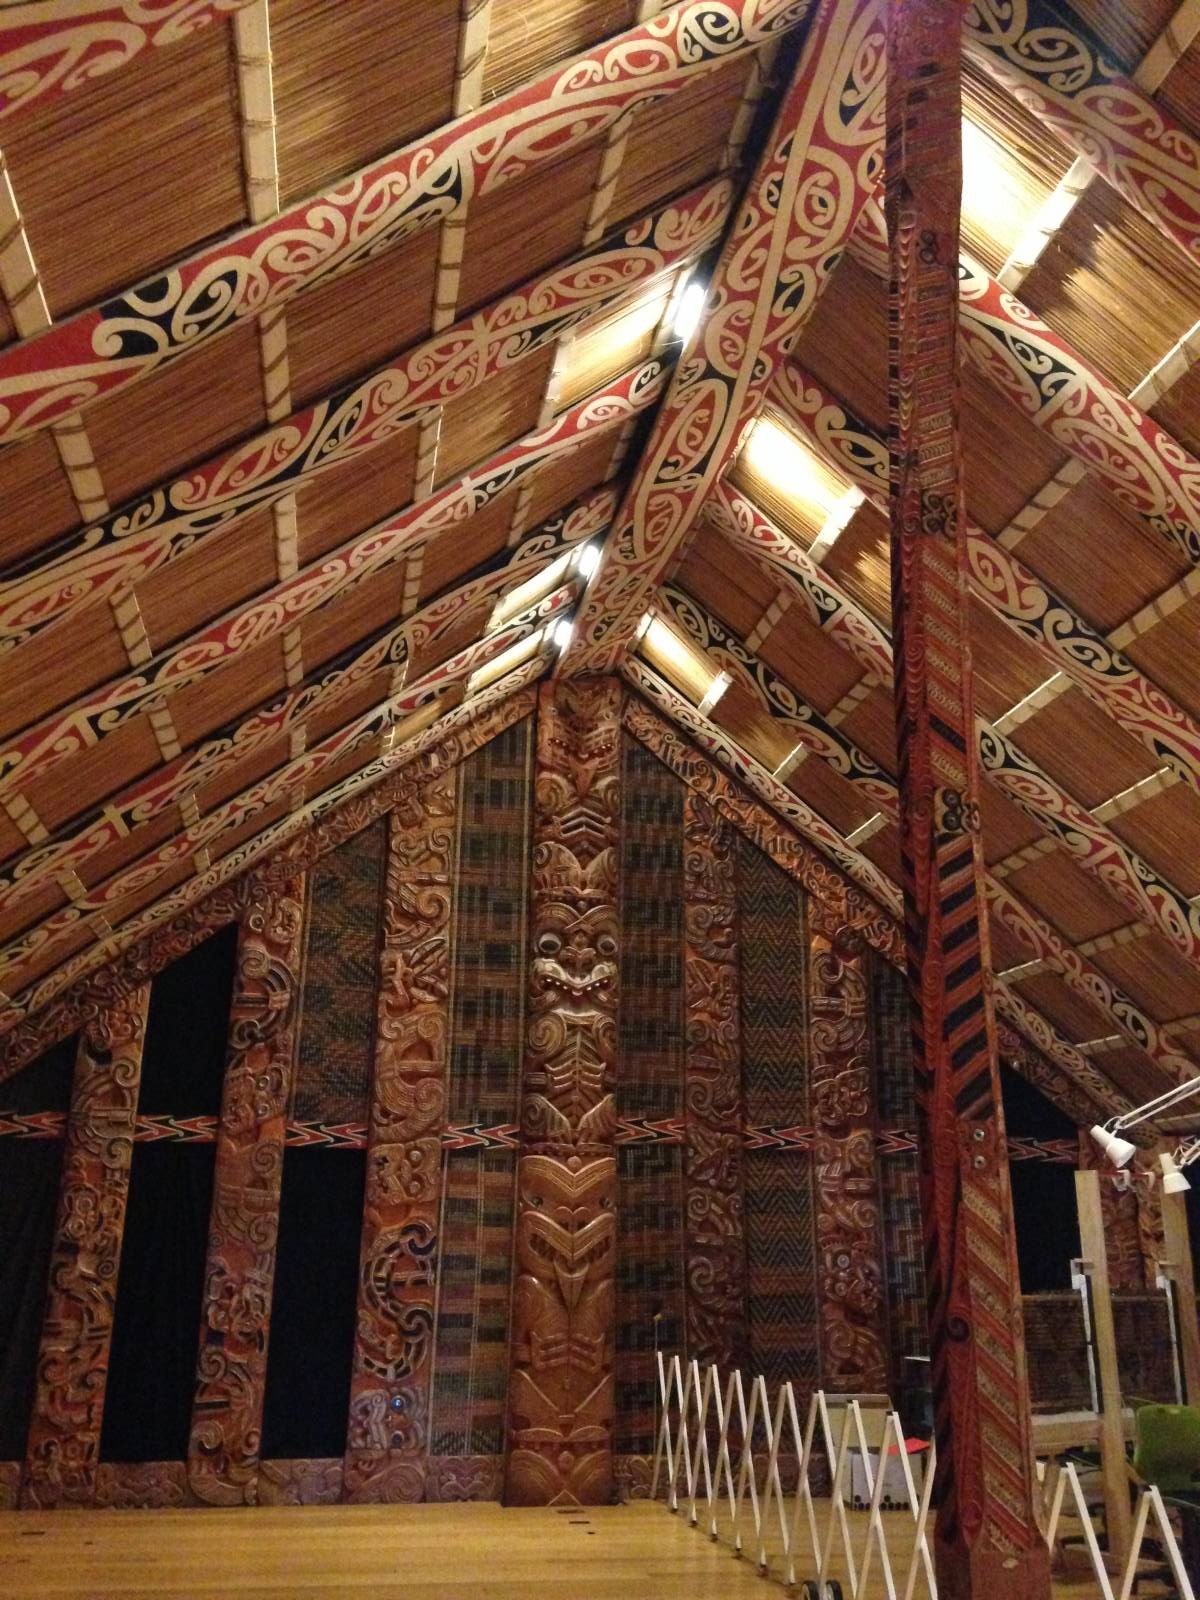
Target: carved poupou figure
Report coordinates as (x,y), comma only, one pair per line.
(562,1394)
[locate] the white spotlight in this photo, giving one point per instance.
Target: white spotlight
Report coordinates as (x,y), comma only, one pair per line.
(561,636)
(687,316)
(1119,1151)
(1174,1181)
(588,559)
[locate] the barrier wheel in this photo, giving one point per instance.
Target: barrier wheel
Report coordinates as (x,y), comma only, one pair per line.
(809,1590)
(833,1589)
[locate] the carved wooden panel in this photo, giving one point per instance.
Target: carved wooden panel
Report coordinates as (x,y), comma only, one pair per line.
(714,1230)
(851,1308)
(300,1482)
(142,1485)
(561,1392)
(64,1430)
(10,1484)
(464,1478)
(240,1266)
(389,1397)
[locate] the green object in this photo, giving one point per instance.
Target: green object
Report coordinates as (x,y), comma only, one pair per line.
(1166,1448)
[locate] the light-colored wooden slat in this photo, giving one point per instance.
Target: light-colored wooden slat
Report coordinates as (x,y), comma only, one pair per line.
(252,54)
(474,27)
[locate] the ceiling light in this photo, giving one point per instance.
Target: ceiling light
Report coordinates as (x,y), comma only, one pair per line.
(835,523)
(713,693)
(687,313)
(561,632)
(1119,1151)
(588,559)
(1174,1181)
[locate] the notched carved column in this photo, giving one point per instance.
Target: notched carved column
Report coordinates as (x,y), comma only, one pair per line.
(852,1308)
(64,1431)
(561,1392)
(388,1436)
(714,1223)
(244,1224)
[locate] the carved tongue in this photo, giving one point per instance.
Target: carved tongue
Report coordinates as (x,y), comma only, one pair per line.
(570,1284)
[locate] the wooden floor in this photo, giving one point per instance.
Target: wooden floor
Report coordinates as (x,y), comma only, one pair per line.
(462,1552)
(465,1552)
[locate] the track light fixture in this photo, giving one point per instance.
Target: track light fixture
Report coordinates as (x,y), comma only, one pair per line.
(1108,1135)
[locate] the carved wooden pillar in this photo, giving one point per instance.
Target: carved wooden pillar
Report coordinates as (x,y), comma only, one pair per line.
(851,1303)
(561,1389)
(714,1225)
(987,1539)
(387,1438)
(240,1266)
(68,1408)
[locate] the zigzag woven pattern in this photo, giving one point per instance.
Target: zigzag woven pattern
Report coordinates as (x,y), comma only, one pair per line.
(337,1021)
(780,1228)
(649,1278)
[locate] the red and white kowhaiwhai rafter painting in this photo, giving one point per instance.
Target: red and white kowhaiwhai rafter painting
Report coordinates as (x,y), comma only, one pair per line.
(170,519)
(821,165)
(97,715)
(101,349)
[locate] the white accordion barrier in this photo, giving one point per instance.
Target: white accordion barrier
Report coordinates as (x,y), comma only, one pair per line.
(721,1458)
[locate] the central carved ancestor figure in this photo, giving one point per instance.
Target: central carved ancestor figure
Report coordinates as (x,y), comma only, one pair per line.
(561,1394)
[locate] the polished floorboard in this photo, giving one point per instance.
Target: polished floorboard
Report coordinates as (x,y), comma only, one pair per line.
(477,1552)
(460,1552)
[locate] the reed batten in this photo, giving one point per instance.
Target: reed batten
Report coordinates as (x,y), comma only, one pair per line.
(606,179)
(256,102)
(759,82)
(474,28)
(20,281)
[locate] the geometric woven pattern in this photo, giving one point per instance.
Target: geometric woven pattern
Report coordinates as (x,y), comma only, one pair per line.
(780,1227)
(489,929)
(337,1022)
(650,1234)
(899,1190)
(470,1382)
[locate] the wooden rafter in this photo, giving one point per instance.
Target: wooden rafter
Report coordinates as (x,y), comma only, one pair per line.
(786,707)
(169,518)
(1027,1021)
(297,774)
(1009,589)
(266,842)
(1134,143)
(97,715)
(45,378)
(390,647)
(48,49)
(766,284)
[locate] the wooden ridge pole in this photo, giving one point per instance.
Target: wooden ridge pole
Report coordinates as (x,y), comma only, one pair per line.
(987,1540)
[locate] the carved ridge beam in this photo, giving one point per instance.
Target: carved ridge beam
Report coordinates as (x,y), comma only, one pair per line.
(96,351)
(783,837)
(99,713)
(295,775)
(390,647)
(171,518)
(828,135)
(473,712)
(786,707)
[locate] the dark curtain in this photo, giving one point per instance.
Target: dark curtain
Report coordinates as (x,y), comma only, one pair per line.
(152,1368)
(1043,1192)
(29,1173)
(313,1310)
